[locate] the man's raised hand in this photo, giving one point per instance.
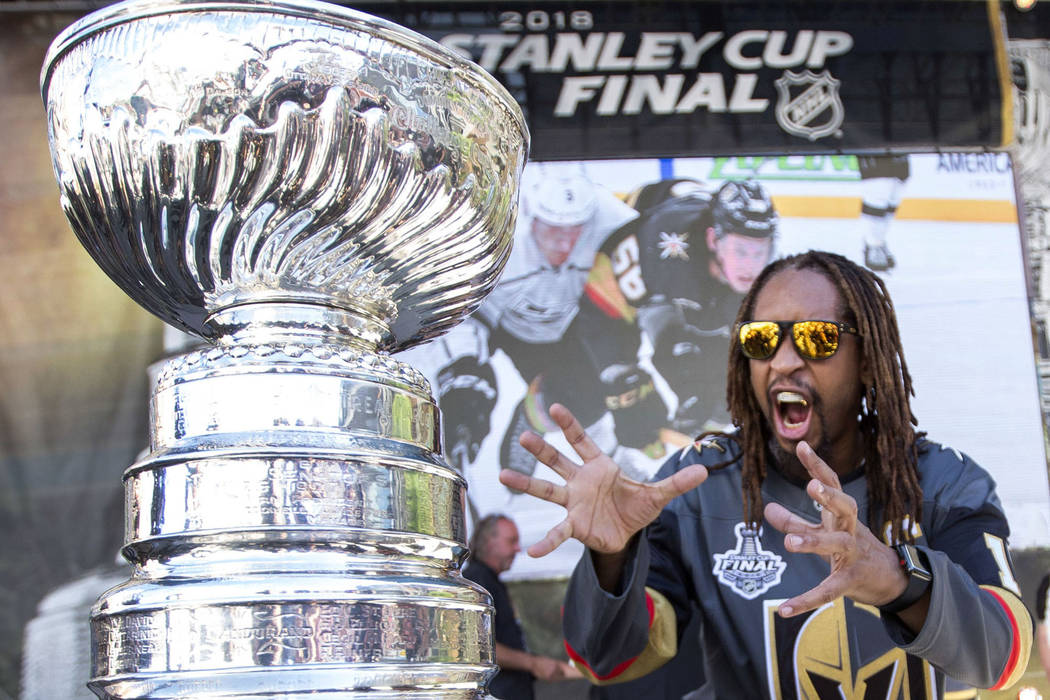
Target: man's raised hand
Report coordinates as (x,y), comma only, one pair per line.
(604,508)
(861,567)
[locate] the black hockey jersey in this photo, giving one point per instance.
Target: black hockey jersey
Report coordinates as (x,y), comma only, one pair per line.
(662,257)
(700,553)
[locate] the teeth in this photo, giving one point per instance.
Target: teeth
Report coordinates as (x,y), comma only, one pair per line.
(791,397)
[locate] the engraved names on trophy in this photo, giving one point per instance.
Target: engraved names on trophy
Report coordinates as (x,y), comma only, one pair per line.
(227,636)
(289,491)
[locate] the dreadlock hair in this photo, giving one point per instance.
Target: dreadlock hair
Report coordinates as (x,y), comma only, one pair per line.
(483,532)
(886,421)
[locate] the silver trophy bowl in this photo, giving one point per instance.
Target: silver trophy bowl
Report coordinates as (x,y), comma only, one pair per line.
(309,189)
(215,154)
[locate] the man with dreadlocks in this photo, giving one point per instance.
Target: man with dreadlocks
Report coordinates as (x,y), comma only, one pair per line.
(881,564)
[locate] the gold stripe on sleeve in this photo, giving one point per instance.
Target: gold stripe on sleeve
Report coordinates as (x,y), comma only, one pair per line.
(662,646)
(1021,632)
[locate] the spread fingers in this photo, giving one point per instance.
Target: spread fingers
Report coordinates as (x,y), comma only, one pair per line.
(840,506)
(547,454)
(540,488)
(787,522)
(826,544)
(575,434)
(555,537)
(825,592)
(817,468)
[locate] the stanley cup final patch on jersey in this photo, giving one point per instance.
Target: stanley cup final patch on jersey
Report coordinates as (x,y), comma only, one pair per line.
(748,570)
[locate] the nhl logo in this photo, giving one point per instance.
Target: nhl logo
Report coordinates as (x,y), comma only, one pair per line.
(748,570)
(809,104)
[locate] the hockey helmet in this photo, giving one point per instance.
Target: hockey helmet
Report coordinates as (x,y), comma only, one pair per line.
(654,194)
(743,207)
(562,201)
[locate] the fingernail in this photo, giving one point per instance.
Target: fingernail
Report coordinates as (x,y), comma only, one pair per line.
(820,488)
(794,540)
(785,611)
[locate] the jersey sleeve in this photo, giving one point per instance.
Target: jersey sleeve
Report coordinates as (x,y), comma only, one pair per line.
(977,628)
(614,638)
(615,285)
(617,637)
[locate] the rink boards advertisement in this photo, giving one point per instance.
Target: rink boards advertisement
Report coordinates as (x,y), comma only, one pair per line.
(957,283)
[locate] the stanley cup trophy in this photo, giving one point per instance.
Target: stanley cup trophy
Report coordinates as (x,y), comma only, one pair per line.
(310,189)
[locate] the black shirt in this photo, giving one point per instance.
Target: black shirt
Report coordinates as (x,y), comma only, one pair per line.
(508,684)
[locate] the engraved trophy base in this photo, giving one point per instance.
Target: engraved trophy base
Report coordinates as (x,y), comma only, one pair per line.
(285,685)
(294,547)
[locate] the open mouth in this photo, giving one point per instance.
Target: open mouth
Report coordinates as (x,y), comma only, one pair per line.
(793,412)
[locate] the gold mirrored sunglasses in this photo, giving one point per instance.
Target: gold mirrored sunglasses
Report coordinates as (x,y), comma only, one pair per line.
(814,340)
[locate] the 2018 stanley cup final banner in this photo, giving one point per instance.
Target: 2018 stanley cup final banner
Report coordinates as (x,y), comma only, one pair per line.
(614,79)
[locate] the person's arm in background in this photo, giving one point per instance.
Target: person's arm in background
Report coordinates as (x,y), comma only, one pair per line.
(542,667)
(1041,632)
(465,389)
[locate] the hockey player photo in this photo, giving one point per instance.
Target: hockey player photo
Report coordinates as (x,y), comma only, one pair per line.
(532,321)
(883,178)
(681,268)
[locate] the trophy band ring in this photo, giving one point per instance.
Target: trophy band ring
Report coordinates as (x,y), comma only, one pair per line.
(310,189)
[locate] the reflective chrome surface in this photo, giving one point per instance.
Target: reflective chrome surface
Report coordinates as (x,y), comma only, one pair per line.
(211,154)
(310,189)
(293,530)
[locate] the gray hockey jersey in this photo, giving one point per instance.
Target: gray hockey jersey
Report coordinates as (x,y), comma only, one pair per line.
(535,301)
(699,552)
